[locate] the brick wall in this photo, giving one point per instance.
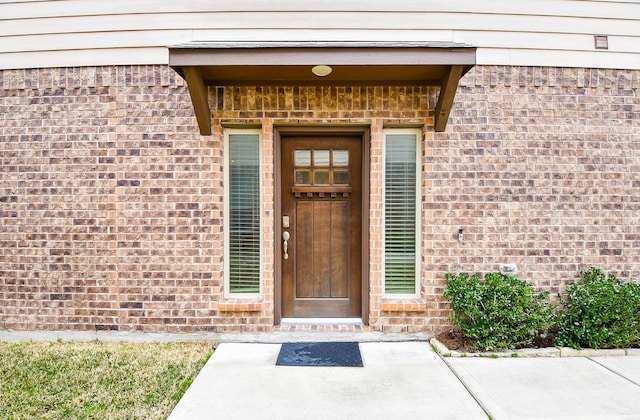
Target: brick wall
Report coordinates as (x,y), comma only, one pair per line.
(541,167)
(111,203)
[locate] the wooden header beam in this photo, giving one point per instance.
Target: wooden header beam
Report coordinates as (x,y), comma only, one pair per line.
(199,98)
(447,94)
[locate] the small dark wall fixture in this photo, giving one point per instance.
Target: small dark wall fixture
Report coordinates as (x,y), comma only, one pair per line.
(601,42)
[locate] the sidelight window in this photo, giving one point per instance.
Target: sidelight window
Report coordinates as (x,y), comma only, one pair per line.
(402,213)
(242,212)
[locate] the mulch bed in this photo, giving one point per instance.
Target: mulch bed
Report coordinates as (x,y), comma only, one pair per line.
(455,340)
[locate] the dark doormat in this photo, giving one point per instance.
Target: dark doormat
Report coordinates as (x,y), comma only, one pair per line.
(320,354)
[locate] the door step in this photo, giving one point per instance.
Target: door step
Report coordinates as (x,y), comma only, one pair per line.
(321,321)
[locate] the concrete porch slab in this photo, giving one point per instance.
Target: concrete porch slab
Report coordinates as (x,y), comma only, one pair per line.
(627,367)
(549,388)
(398,380)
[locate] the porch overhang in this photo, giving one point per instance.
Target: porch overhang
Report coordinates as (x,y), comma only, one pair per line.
(204,64)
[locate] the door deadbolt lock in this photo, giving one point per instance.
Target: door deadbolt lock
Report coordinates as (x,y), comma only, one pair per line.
(285,222)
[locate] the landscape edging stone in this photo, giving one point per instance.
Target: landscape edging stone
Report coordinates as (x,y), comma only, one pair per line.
(543,352)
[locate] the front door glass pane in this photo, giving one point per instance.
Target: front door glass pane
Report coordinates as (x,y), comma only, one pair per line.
(303,177)
(321,177)
(321,158)
(340,158)
(302,157)
(341,177)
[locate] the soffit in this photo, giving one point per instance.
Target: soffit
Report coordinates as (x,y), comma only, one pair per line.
(204,64)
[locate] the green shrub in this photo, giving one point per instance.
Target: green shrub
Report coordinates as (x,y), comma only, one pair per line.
(504,312)
(600,311)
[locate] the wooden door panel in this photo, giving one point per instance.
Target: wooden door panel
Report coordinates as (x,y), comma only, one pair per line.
(302,249)
(339,252)
(321,250)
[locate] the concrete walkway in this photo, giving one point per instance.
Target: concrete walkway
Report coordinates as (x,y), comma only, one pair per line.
(402,380)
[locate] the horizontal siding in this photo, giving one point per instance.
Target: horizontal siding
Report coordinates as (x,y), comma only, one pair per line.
(523,32)
(583,8)
(78,58)
(323,21)
(558,58)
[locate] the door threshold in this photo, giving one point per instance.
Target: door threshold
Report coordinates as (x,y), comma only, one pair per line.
(321,321)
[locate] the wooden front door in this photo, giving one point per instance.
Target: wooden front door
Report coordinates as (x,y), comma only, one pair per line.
(322,226)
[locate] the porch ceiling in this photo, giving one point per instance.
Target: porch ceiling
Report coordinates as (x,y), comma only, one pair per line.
(204,64)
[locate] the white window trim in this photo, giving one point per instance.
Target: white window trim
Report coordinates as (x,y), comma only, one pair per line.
(418,274)
(226,213)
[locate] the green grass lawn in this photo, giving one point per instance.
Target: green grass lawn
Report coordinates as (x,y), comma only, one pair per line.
(101,380)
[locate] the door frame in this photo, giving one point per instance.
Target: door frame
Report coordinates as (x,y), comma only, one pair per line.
(349,130)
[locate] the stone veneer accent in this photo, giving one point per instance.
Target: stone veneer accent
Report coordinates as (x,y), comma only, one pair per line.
(111,203)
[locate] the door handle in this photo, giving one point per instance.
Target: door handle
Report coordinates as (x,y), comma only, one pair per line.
(285,244)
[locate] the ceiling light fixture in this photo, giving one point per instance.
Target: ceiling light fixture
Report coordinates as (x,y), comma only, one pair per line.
(321,71)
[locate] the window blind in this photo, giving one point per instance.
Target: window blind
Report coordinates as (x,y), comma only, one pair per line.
(400,214)
(244,213)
